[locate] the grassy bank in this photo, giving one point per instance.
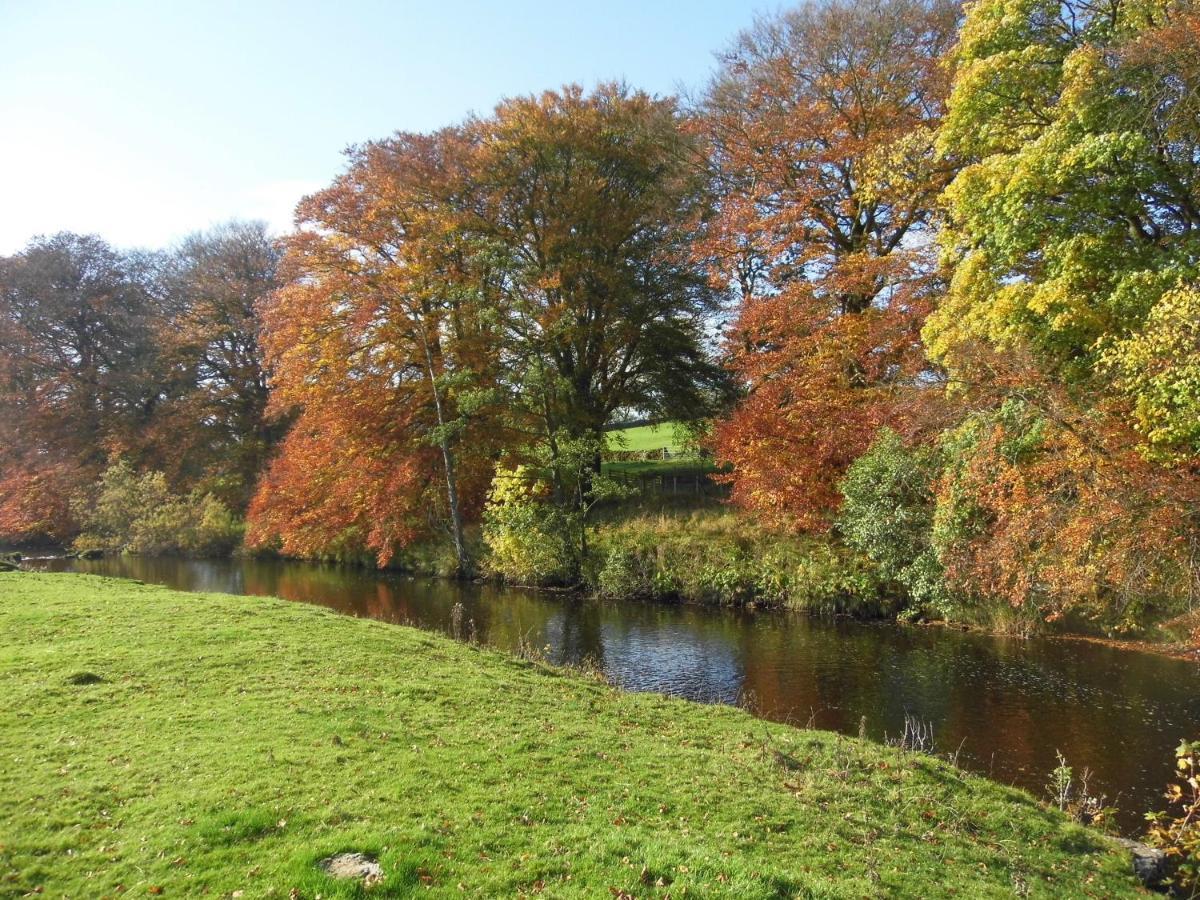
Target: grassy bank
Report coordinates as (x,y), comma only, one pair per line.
(710,554)
(162,743)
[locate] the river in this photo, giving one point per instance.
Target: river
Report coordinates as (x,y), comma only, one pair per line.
(1006,705)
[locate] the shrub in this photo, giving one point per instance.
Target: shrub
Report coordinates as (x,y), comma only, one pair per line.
(718,557)
(530,540)
(137,513)
(215,530)
(888,514)
(1176,831)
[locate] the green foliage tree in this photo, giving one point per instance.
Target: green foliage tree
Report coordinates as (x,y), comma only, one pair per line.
(1078,208)
(1159,368)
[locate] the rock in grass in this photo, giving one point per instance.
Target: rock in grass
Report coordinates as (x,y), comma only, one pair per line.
(1149,864)
(353,865)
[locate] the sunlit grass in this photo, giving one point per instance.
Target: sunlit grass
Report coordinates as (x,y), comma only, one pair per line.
(643,438)
(217,744)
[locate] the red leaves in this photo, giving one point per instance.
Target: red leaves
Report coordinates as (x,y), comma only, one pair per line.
(827,181)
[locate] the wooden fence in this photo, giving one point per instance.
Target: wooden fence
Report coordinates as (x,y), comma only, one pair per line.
(698,482)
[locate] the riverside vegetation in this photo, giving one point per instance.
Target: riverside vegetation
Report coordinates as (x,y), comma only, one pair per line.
(931,309)
(173,744)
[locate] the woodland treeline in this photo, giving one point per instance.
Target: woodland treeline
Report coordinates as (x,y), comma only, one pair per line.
(924,275)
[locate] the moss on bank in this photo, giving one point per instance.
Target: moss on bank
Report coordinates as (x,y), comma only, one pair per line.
(163,743)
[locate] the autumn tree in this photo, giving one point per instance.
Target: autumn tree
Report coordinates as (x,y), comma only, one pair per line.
(821,124)
(1074,238)
(588,203)
(1080,207)
(211,430)
(76,375)
(378,339)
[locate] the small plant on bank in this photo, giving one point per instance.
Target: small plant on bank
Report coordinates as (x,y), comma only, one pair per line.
(1074,796)
(529,536)
(1176,830)
(917,737)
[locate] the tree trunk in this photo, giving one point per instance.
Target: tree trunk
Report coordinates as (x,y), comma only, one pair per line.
(456,525)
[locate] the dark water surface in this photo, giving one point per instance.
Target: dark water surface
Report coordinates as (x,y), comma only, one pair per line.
(1008,703)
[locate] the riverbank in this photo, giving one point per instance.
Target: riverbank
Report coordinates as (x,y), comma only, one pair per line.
(697,551)
(187,742)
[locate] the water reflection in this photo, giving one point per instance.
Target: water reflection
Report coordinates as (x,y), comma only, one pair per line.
(1009,704)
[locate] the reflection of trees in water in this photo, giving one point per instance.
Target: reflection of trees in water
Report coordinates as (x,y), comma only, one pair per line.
(577,633)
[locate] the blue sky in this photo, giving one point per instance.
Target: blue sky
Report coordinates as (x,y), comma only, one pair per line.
(143,120)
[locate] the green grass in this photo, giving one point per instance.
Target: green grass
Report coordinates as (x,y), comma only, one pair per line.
(162,743)
(648,437)
(651,439)
(700,551)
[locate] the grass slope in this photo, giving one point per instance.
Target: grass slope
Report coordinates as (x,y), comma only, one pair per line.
(162,743)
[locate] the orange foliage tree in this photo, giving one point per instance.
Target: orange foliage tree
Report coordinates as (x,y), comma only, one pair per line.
(588,204)
(1050,508)
(821,124)
(378,340)
(508,284)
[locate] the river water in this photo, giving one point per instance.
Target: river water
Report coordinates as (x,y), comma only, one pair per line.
(1005,704)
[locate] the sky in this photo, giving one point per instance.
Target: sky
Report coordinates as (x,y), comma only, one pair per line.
(145,120)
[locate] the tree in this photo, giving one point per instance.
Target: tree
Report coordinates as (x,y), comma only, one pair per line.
(821,124)
(1079,209)
(505,285)
(378,339)
(76,375)
(1047,510)
(211,430)
(1074,237)
(588,204)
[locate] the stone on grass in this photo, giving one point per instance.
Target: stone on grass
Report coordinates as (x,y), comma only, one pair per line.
(1150,864)
(353,865)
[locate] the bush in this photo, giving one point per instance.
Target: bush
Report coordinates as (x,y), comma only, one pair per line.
(717,557)
(133,513)
(530,540)
(214,529)
(1177,831)
(888,514)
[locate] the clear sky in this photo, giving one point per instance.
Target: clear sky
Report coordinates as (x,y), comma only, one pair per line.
(143,120)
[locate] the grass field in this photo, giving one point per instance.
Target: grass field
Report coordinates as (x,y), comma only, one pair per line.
(643,438)
(682,466)
(156,743)
(652,438)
